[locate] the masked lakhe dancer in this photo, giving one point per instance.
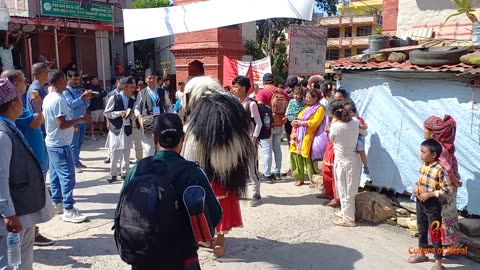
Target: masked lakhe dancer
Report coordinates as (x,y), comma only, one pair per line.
(217,137)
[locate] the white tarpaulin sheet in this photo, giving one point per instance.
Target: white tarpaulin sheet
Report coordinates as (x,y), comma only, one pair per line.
(395,110)
(148,23)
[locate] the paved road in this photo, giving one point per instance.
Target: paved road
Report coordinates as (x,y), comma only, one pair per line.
(291,230)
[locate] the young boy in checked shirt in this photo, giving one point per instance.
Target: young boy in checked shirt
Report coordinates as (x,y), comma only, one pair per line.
(432,184)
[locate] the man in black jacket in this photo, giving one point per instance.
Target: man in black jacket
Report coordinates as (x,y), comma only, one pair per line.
(96,107)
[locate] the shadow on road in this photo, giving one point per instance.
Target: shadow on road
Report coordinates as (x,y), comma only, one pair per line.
(308,199)
(283,255)
(65,250)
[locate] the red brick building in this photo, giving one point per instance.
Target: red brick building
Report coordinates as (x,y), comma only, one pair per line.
(201,53)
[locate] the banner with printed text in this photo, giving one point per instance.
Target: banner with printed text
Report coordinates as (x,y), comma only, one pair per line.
(308,48)
(233,68)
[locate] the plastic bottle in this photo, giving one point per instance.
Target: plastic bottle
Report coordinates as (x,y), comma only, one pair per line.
(14,250)
(266,120)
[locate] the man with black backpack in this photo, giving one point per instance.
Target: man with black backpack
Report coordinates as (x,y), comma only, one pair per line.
(166,206)
(258,130)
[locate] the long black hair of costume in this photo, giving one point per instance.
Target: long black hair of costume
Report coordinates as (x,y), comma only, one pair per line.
(222,145)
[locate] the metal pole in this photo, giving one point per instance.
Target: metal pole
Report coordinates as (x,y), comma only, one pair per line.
(30,56)
(56,47)
(103,60)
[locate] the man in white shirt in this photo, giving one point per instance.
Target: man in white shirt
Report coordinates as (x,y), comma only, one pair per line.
(240,87)
(59,129)
(152,101)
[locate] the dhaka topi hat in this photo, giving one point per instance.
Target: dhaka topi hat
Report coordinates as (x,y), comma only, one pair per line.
(8,91)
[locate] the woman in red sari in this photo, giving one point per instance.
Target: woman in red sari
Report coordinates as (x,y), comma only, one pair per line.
(217,137)
(330,191)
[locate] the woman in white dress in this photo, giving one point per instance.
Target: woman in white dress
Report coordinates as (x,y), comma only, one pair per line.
(347,164)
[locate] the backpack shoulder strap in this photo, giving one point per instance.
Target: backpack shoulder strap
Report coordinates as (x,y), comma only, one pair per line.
(144,166)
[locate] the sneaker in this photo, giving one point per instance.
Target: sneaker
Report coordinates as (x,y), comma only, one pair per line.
(78,169)
(276,176)
(73,216)
(42,241)
(58,208)
(256,201)
(112,179)
(80,164)
(93,138)
(366,171)
(107,160)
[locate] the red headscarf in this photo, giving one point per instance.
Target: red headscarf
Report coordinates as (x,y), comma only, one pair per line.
(443,130)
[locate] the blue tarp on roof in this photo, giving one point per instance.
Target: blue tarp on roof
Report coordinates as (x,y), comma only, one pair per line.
(395,109)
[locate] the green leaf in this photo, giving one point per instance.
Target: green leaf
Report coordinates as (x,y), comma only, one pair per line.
(449,17)
(150,3)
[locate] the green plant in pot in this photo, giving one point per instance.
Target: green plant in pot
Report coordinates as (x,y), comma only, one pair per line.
(378,41)
(465,7)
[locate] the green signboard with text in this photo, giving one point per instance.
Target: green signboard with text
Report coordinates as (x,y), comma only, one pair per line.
(71,9)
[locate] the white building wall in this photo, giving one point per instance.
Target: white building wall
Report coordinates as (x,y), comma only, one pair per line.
(411,12)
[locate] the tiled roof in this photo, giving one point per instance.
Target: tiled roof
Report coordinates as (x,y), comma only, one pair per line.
(347,64)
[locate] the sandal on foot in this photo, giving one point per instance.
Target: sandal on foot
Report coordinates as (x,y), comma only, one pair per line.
(340,222)
(298,183)
(205,244)
(332,203)
(312,185)
(417,259)
(339,214)
(324,196)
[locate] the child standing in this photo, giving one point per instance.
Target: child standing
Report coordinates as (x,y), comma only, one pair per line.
(433,183)
(294,107)
(352,110)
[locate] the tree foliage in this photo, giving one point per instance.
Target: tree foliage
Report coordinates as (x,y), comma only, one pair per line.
(144,50)
(275,28)
(329,6)
(280,62)
(150,3)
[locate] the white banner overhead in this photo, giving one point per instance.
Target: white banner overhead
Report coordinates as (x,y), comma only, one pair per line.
(140,24)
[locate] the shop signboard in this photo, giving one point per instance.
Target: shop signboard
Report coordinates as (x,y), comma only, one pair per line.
(71,9)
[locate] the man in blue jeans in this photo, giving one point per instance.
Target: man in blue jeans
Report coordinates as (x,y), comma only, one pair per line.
(78,100)
(59,129)
(273,143)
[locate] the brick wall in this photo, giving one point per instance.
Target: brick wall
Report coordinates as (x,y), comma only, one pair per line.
(22,6)
(390,14)
(207,47)
(416,12)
